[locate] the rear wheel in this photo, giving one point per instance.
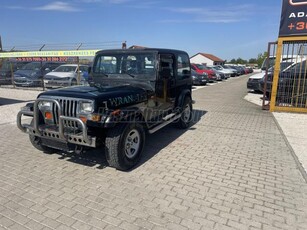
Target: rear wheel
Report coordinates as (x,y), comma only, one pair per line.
(186,114)
(124,145)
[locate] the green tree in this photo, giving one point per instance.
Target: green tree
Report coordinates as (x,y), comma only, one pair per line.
(233,61)
(252,61)
(241,61)
(261,58)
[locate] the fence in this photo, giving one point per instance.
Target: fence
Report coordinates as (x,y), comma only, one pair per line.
(13,75)
(286,81)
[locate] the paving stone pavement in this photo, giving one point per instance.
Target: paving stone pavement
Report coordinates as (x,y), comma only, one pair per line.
(232,169)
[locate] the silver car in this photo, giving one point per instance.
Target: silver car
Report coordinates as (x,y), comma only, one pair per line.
(66,75)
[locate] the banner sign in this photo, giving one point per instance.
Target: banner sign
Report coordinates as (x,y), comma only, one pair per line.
(63,53)
(293,18)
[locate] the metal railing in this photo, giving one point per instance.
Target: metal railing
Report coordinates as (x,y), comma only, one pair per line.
(289,85)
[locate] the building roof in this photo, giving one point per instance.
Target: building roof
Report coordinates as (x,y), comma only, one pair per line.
(210,56)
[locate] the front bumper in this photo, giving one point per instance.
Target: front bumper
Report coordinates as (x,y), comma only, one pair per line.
(54,83)
(254,85)
(58,132)
(23,81)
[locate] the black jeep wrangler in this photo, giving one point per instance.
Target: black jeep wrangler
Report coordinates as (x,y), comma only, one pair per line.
(132,92)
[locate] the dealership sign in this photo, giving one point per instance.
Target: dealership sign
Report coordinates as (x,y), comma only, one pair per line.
(63,53)
(293,18)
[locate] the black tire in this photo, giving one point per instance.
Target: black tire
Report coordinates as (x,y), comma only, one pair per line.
(186,114)
(37,143)
(122,152)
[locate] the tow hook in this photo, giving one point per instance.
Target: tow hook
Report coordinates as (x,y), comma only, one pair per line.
(79,149)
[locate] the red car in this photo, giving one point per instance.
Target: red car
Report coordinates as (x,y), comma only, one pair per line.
(203,69)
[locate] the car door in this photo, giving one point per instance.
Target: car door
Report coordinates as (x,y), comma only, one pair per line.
(161,104)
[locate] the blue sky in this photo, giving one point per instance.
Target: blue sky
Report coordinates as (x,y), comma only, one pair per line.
(226,28)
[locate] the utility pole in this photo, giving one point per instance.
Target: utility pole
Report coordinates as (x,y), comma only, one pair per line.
(1,45)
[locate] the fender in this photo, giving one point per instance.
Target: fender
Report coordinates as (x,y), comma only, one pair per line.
(181,97)
(122,115)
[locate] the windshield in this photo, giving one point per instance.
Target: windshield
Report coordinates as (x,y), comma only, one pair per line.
(65,68)
(201,67)
(125,65)
(32,66)
(217,67)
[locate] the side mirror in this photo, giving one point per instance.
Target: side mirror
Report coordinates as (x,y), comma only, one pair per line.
(89,70)
(263,68)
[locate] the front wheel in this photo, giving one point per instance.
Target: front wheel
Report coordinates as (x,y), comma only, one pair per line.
(37,143)
(124,145)
(186,114)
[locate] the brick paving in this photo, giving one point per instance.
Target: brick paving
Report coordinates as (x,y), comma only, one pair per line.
(231,170)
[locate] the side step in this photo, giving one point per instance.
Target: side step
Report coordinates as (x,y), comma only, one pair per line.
(169,116)
(168,119)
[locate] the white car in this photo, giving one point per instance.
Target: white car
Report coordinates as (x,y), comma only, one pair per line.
(253,82)
(66,75)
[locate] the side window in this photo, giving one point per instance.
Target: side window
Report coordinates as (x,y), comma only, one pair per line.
(167,64)
(83,69)
(183,66)
(47,67)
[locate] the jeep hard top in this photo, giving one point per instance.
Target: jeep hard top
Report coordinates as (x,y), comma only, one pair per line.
(133,92)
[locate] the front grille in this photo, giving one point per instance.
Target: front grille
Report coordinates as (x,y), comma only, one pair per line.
(69,109)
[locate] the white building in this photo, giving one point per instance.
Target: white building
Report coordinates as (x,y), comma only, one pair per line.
(206,59)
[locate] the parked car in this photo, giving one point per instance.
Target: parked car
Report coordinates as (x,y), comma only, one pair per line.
(204,69)
(240,69)
(66,75)
(32,73)
(234,71)
(199,78)
(255,80)
(219,68)
(219,75)
(291,81)
(6,70)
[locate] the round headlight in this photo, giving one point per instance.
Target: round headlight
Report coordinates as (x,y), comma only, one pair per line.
(86,107)
(44,105)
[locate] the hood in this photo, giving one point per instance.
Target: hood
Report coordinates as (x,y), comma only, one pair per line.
(26,73)
(52,75)
(257,75)
(115,96)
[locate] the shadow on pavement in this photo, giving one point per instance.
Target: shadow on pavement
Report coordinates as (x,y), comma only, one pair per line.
(7,101)
(154,144)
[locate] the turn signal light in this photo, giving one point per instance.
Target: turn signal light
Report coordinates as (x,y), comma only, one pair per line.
(83,119)
(48,116)
(95,117)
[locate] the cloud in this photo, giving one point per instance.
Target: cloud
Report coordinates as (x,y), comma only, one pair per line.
(58,6)
(107,1)
(225,14)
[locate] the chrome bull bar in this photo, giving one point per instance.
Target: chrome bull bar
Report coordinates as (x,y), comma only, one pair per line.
(83,139)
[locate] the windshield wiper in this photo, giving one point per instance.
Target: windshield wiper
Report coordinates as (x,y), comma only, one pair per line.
(131,75)
(104,74)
